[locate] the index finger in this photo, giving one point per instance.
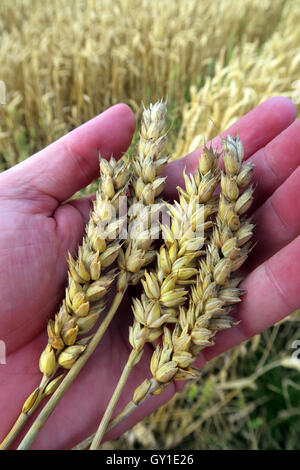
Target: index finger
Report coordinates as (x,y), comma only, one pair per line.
(72,162)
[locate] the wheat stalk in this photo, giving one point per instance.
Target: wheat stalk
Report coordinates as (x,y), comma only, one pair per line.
(146,187)
(215,291)
(163,291)
(88,284)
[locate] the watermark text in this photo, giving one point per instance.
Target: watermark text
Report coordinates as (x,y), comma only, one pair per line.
(2,352)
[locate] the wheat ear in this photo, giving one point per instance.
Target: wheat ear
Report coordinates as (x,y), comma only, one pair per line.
(215,291)
(146,187)
(88,283)
(145,202)
(163,291)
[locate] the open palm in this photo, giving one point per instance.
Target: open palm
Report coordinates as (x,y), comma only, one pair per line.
(37,228)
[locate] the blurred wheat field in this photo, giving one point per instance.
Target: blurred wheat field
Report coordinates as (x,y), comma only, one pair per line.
(63,62)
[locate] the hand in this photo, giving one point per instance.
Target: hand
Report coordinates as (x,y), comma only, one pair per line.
(38,227)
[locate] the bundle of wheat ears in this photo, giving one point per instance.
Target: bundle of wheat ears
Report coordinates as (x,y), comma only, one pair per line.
(190,284)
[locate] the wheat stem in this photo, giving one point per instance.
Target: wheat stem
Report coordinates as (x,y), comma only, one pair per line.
(215,291)
(146,188)
(163,294)
(88,284)
(15,430)
(114,400)
(27,411)
(125,413)
(115,178)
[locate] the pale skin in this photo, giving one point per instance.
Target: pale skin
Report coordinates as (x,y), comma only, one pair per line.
(37,228)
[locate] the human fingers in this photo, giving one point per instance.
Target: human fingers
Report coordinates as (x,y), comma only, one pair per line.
(256,129)
(71,162)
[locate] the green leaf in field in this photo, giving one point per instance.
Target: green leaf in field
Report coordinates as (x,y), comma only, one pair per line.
(32,133)
(174,73)
(256,423)
(193,392)
(207,391)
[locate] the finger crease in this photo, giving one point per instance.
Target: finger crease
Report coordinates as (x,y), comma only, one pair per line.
(83,166)
(276,285)
(266,160)
(281,220)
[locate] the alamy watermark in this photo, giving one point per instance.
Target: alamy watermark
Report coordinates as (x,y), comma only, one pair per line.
(145,221)
(296,354)
(2,352)
(2,92)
